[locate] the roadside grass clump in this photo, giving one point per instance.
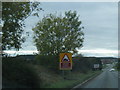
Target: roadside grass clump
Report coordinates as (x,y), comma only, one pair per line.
(19,72)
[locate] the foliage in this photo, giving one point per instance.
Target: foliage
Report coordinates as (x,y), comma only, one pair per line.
(84,64)
(13,16)
(56,34)
(19,72)
(118,66)
(50,61)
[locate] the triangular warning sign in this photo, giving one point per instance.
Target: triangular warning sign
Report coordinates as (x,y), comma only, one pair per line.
(65,58)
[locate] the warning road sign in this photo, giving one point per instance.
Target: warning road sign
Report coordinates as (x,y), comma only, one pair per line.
(65,61)
(65,58)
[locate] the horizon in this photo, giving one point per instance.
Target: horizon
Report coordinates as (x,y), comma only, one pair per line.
(15,53)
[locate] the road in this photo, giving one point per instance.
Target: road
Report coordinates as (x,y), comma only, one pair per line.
(106,79)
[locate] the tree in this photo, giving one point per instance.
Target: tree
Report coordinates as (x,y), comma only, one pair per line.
(56,34)
(13,16)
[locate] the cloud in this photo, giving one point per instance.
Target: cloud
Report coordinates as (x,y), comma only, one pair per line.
(99,19)
(100,52)
(22,52)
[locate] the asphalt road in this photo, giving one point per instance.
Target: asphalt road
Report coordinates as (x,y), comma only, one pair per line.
(106,79)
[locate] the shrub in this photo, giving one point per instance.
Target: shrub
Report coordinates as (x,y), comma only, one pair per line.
(118,66)
(49,61)
(20,72)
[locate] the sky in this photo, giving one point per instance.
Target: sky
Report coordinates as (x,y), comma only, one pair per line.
(100,21)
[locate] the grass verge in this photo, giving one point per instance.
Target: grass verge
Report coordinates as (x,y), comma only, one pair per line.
(73,80)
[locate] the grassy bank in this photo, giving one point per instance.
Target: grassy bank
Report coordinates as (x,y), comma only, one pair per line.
(73,80)
(53,80)
(17,73)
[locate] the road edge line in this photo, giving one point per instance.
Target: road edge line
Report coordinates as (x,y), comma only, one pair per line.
(79,85)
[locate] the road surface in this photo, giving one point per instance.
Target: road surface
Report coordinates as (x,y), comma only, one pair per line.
(106,79)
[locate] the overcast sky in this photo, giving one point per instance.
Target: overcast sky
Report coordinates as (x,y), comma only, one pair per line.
(100,21)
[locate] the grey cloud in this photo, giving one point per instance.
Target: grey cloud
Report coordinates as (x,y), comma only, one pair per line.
(99,20)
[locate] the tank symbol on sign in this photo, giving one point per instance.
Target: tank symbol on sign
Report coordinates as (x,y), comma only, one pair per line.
(65,58)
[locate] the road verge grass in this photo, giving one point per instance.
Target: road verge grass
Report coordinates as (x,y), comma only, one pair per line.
(74,79)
